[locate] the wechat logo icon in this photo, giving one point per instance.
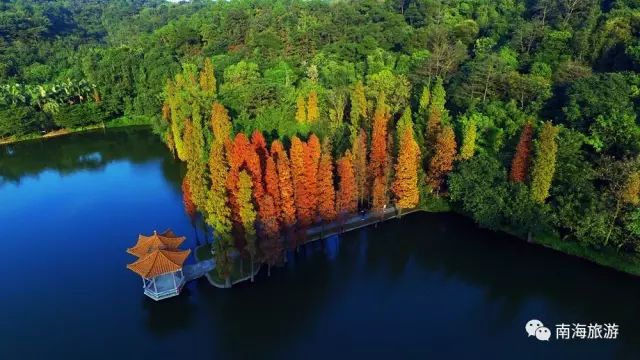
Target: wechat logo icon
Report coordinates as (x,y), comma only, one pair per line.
(536,328)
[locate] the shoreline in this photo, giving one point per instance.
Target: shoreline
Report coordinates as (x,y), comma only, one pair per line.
(619,262)
(115,123)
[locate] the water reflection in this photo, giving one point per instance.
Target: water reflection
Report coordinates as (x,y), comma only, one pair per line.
(171,315)
(428,284)
(91,150)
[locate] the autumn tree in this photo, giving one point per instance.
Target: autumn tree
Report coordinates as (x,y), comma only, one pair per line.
(326,190)
(287,212)
(196,157)
(469,134)
(189,206)
(313,113)
(347,196)
(301,112)
(359,152)
(271,185)
(208,79)
(220,122)
(544,165)
(269,231)
(379,193)
(521,159)
(359,111)
(254,166)
(442,161)
(247,214)
(303,197)
(435,114)
(378,155)
(236,153)
(405,185)
(217,207)
(313,152)
(260,146)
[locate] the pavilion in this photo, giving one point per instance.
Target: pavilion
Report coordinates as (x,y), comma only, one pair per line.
(159,264)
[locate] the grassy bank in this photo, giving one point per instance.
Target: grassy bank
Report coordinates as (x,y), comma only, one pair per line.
(115,123)
(625,262)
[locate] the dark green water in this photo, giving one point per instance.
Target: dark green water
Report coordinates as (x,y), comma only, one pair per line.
(428,285)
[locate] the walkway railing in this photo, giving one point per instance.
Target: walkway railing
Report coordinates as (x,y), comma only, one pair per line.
(354,222)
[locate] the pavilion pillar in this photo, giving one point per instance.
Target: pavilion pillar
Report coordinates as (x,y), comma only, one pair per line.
(173,275)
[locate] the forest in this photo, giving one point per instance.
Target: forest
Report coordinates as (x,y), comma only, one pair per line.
(520,114)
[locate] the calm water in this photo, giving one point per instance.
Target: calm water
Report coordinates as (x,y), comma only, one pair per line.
(426,285)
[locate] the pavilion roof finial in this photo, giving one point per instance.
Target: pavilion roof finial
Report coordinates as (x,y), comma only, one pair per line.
(167,240)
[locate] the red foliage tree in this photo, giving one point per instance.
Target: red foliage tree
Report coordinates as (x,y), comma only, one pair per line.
(260,146)
(522,158)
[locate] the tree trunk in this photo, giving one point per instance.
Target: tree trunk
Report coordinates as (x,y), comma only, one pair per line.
(529,237)
(251,268)
(269,270)
(227,282)
(613,222)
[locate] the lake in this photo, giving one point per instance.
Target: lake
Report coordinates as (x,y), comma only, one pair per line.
(425,285)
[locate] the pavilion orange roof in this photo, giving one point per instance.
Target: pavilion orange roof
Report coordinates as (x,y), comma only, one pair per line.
(159,262)
(164,241)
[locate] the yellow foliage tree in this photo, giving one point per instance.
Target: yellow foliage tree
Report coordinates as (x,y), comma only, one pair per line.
(313,113)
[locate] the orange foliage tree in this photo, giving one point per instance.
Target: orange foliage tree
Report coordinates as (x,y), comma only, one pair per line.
(271,182)
(379,190)
(326,190)
(189,206)
(359,152)
(405,185)
(287,213)
(347,196)
(521,159)
(269,232)
(260,146)
(303,197)
(254,166)
(312,155)
(236,154)
(378,155)
(442,161)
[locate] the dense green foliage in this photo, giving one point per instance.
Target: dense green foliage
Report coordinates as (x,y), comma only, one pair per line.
(481,67)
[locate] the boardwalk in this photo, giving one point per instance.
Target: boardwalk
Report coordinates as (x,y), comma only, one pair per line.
(354,222)
(194,271)
(314,233)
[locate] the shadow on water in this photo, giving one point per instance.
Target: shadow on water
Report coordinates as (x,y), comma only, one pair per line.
(165,317)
